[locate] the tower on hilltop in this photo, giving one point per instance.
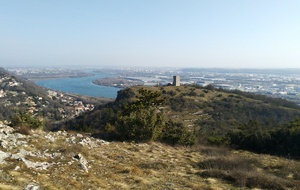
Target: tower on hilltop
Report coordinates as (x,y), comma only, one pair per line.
(176,80)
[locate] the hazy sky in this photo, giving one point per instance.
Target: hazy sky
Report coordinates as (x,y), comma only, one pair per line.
(178,33)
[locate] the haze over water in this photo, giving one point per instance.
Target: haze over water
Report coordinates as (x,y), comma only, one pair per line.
(81,85)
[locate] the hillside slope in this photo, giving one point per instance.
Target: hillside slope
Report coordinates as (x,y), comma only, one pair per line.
(61,160)
(20,95)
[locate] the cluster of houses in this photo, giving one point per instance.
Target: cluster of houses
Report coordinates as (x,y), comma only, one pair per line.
(10,82)
(78,106)
(11,95)
(8,92)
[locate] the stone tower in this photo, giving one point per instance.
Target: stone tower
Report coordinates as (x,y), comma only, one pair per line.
(176,80)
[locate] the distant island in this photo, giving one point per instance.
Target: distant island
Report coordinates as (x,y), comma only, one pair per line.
(118,82)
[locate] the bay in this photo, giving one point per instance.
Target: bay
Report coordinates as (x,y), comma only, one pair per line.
(81,85)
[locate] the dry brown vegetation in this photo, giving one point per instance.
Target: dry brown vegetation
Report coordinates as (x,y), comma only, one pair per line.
(120,165)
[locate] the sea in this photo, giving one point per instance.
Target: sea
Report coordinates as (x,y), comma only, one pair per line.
(81,85)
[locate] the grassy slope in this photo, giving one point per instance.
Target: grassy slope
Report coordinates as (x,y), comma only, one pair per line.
(146,166)
(219,111)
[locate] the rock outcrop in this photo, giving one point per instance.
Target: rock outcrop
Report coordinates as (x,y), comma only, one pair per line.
(43,152)
(22,148)
(82,162)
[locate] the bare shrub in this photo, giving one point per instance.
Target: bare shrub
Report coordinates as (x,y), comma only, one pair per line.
(284,169)
(227,164)
(23,129)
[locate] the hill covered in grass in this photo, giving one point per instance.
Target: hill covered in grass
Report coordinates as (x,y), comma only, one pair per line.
(197,115)
(210,111)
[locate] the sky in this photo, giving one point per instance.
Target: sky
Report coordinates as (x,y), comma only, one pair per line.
(150,33)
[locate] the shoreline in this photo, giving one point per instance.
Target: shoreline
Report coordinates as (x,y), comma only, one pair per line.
(55,77)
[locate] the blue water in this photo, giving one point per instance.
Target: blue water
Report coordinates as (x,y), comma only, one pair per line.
(81,85)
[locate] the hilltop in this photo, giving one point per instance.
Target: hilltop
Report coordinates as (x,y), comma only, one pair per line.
(207,109)
(197,115)
(64,160)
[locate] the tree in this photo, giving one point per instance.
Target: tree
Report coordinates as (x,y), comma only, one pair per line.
(141,121)
(146,99)
(142,125)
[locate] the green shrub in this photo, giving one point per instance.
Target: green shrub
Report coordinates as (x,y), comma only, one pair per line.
(27,120)
(140,126)
(176,133)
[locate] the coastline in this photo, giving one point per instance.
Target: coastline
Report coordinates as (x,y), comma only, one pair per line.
(118,82)
(79,85)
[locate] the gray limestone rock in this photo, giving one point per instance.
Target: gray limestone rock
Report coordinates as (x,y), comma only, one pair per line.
(3,156)
(9,139)
(92,142)
(36,165)
(32,186)
(50,137)
(82,162)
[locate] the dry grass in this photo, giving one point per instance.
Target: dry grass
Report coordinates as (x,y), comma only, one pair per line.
(248,170)
(148,166)
(23,129)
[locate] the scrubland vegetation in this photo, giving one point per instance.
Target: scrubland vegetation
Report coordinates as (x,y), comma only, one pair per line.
(188,115)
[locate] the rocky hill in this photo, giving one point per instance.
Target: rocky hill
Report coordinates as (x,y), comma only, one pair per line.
(62,160)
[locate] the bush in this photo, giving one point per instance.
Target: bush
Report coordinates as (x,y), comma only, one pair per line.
(176,133)
(27,120)
(140,126)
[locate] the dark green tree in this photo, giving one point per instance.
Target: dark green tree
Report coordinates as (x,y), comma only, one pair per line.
(176,133)
(141,120)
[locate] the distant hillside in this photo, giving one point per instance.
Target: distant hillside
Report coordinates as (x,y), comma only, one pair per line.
(21,95)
